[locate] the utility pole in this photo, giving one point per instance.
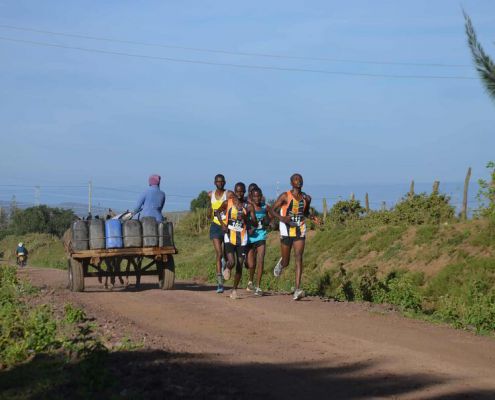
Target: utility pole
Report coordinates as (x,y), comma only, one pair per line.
(90,193)
(37,192)
(465,195)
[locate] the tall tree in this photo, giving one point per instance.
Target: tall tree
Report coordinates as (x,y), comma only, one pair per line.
(202,201)
(484,64)
(3,218)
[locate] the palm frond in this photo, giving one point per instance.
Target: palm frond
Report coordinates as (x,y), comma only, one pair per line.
(484,64)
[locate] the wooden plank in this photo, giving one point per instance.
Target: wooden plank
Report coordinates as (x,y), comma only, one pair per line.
(122,274)
(129,251)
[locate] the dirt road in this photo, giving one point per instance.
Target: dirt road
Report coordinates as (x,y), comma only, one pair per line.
(272,347)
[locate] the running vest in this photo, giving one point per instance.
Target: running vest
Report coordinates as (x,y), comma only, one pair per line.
(215,205)
(237,229)
(259,233)
(295,210)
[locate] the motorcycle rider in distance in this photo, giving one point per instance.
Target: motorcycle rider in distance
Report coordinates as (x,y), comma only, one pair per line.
(21,254)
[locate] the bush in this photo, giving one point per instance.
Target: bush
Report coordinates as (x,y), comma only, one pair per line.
(424,209)
(403,290)
(418,209)
(464,294)
(22,331)
(369,287)
(486,194)
(202,201)
(345,210)
(336,284)
(42,219)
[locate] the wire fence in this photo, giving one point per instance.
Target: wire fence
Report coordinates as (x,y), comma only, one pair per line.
(76,196)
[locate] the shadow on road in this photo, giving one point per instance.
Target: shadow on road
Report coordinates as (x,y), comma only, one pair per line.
(161,375)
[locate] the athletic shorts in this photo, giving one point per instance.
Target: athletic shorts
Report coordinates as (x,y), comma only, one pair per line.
(241,251)
(216,231)
(287,240)
(256,244)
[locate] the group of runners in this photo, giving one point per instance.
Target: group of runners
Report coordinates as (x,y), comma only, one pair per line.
(238,231)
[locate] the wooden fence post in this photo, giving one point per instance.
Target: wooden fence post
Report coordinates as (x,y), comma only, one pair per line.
(367,203)
(465,196)
(325,210)
(411,189)
(436,187)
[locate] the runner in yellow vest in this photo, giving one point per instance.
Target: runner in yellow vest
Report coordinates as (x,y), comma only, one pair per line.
(217,197)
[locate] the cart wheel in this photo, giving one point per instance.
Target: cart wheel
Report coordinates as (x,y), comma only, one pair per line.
(76,276)
(166,274)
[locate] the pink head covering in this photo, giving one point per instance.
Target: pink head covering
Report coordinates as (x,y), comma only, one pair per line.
(154,180)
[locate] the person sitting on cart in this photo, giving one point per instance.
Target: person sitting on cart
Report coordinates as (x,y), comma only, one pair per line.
(151,202)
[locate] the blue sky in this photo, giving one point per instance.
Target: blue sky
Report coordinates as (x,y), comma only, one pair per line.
(68,116)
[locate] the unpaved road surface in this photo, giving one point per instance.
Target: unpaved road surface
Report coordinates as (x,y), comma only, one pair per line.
(272,347)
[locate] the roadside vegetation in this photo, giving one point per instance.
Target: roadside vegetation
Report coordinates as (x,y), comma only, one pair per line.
(41,344)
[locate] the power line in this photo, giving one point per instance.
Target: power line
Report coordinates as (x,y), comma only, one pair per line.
(244,66)
(44,186)
(237,53)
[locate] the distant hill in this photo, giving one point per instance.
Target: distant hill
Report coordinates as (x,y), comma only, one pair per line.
(78,208)
(81,210)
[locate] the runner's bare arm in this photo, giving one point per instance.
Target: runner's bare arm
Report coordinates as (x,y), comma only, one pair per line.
(218,213)
(268,213)
(252,214)
(282,199)
(307,209)
(210,210)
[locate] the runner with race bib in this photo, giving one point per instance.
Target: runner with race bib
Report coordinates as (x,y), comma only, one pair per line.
(257,241)
(294,208)
(235,227)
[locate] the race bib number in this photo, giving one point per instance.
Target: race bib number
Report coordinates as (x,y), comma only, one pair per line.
(236,226)
(296,220)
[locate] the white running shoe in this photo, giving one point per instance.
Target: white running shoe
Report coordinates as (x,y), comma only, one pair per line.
(298,294)
(258,292)
(233,295)
(250,286)
(278,268)
(226,274)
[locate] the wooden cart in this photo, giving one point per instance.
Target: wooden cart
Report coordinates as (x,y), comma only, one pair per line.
(107,263)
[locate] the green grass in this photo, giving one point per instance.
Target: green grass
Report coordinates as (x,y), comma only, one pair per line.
(44,250)
(385,237)
(196,258)
(426,234)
